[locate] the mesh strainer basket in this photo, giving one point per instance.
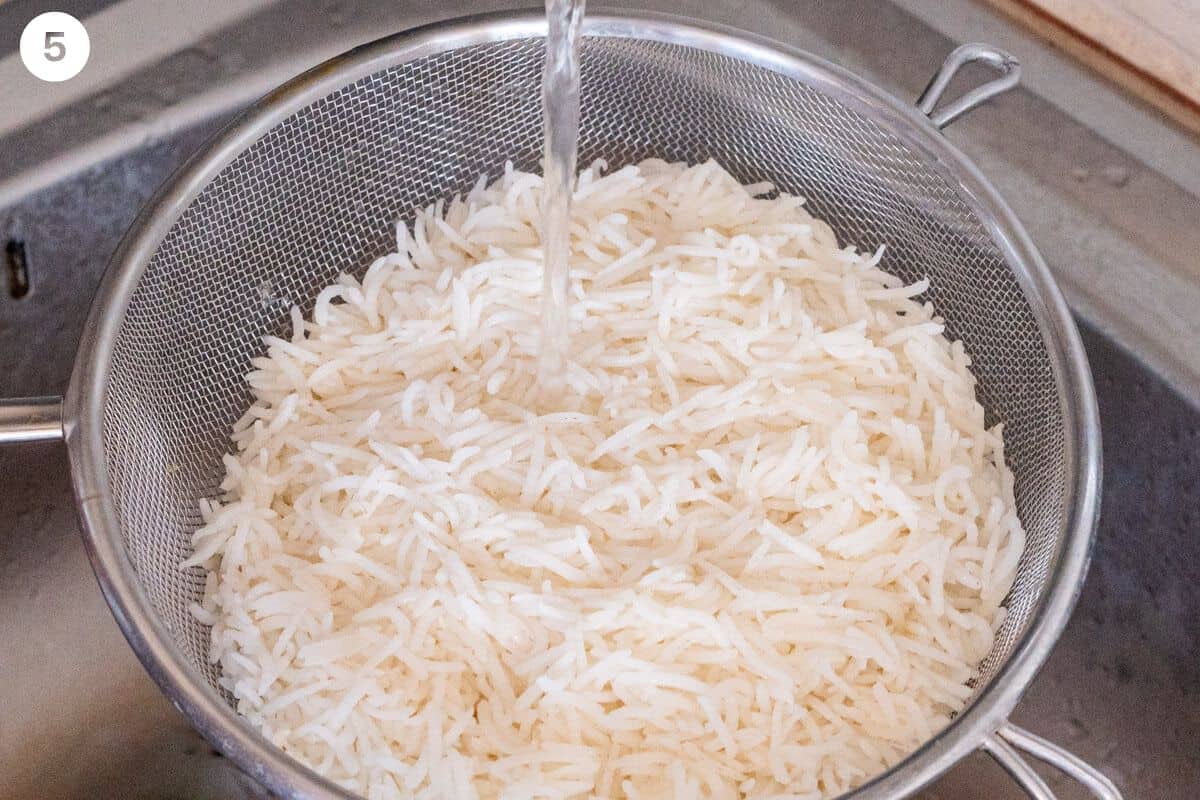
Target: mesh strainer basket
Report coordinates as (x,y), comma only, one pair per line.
(326,164)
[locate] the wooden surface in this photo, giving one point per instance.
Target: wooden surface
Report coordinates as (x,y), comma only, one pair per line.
(1149,47)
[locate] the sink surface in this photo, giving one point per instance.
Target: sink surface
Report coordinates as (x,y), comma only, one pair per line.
(79,718)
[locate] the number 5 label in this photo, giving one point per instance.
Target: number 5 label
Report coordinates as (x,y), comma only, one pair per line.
(54,46)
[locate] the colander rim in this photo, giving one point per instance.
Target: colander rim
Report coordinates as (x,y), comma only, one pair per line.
(84,401)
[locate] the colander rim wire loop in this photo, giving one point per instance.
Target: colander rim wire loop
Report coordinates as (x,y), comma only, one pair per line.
(84,404)
(1061,759)
(1018,768)
(1006,65)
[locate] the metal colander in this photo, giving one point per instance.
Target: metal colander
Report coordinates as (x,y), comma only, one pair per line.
(311,181)
(318,194)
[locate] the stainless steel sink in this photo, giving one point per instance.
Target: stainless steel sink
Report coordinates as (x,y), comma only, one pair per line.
(80,719)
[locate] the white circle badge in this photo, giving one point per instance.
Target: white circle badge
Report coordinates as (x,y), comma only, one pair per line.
(55,46)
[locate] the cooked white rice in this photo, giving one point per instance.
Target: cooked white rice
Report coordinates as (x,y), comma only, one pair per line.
(758,548)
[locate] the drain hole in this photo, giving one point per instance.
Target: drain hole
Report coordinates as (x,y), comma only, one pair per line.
(18,268)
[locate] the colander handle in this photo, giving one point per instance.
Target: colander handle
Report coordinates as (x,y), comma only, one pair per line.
(1009,739)
(1005,64)
(30,419)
